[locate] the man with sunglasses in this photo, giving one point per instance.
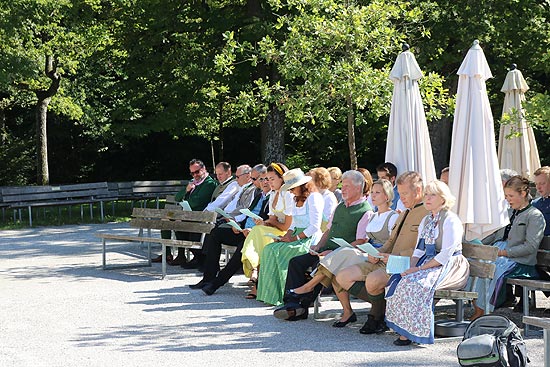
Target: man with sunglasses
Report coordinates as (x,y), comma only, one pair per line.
(198,194)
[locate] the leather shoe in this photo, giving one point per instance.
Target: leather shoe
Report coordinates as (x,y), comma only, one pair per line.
(291,312)
(178,260)
(209,289)
(352,318)
(199,285)
(193,264)
(158,259)
(373,326)
(402,343)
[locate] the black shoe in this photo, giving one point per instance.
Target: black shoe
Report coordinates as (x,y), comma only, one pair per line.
(209,289)
(193,264)
(402,343)
(373,326)
(199,285)
(291,312)
(341,323)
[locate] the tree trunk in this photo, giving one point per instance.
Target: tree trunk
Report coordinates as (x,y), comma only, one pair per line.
(351,133)
(273,136)
(221,157)
(440,137)
(44,98)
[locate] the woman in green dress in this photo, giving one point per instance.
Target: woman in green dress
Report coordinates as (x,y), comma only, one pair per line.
(305,231)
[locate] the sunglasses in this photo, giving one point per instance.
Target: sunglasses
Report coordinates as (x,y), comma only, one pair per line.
(261,179)
(193,173)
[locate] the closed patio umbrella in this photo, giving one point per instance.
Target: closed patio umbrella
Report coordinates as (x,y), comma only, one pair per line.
(473,168)
(518,152)
(408,144)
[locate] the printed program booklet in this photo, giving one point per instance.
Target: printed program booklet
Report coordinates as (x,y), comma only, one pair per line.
(398,264)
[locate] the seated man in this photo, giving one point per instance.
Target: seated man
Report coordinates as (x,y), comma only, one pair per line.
(372,274)
(213,278)
(343,224)
(388,171)
(227,188)
(198,194)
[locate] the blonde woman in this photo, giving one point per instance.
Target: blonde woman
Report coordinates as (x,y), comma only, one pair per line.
(436,263)
(322,180)
(281,206)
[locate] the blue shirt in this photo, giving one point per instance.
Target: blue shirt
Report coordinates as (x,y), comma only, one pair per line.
(395,198)
(543,204)
(256,210)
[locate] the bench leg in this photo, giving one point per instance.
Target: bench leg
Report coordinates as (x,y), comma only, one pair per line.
(546,347)
(91,211)
(101,210)
(30,216)
(104,256)
(526,307)
(163,260)
(459,310)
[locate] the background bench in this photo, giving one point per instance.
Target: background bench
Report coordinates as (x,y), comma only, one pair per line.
(532,285)
(156,190)
(162,219)
(30,197)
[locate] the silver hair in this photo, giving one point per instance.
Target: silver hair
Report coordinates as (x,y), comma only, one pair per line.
(260,168)
(356,178)
(245,168)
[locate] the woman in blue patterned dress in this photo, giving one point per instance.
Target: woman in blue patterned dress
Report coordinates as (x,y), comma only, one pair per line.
(436,263)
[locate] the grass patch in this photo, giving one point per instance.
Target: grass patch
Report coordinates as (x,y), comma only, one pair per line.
(117,211)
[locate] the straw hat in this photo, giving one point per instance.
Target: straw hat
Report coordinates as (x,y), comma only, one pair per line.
(294,178)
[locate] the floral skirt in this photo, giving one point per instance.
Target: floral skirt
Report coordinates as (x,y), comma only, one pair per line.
(409,309)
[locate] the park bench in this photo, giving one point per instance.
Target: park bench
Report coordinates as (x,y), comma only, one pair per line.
(544,323)
(30,197)
(173,219)
(156,190)
(482,268)
(533,285)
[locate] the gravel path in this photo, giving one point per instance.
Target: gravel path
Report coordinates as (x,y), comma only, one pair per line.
(59,308)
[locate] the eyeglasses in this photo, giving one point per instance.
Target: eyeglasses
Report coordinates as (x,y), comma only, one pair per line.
(246,173)
(193,173)
(263,179)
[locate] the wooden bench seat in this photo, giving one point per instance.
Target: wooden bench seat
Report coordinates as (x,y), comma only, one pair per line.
(544,323)
(173,219)
(533,285)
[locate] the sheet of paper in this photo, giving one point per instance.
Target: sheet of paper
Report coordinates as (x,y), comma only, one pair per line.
(222,212)
(369,249)
(185,205)
(274,236)
(235,225)
(341,242)
(248,213)
(398,264)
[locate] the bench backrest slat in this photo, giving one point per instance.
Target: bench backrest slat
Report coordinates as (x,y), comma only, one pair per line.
(174,214)
(481,259)
(193,227)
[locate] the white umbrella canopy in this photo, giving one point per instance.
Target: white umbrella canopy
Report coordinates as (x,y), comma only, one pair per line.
(408,143)
(474,176)
(519,153)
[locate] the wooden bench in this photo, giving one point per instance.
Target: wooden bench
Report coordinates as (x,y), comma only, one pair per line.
(63,195)
(544,323)
(162,219)
(482,269)
(533,285)
(146,190)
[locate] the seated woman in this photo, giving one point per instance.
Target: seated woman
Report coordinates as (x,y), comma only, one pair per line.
(377,232)
(281,206)
(304,232)
(321,179)
(437,263)
(518,243)
(335,180)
